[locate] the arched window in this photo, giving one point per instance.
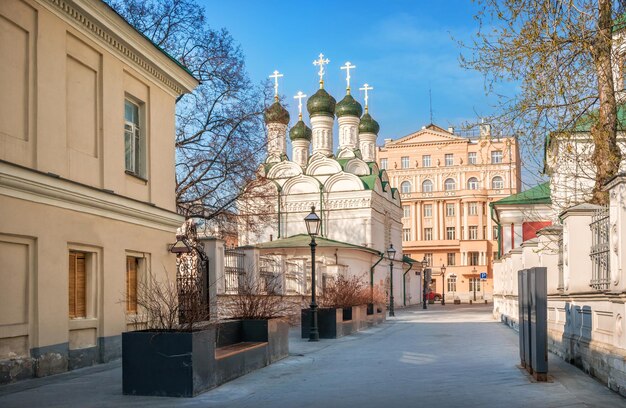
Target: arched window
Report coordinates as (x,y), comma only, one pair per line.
(449,184)
(497,183)
(405,187)
(427,186)
(472,183)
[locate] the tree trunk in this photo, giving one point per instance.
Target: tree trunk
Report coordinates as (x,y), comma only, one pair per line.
(606,155)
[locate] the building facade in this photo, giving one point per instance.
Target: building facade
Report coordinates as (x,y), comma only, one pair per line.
(446,184)
(87,183)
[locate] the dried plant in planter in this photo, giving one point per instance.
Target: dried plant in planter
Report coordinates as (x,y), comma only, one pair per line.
(159,305)
(258,299)
(345,292)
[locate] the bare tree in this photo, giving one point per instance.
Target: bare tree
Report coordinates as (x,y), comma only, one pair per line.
(562,55)
(219,131)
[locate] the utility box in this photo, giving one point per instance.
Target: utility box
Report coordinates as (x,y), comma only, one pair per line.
(533,321)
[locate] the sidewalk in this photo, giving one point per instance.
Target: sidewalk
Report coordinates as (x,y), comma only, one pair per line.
(446,356)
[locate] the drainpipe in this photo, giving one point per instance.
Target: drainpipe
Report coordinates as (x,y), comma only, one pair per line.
(382,255)
(499,230)
(321,210)
(404,281)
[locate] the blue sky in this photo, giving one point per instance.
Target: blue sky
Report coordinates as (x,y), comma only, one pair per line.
(400,47)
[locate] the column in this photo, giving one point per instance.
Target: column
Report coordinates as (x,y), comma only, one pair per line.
(465,228)
(418,220)
(489,224)
(457,213)
(435,220)
(442,218)
(480,220)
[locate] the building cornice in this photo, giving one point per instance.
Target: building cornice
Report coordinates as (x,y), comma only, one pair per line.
(112,31)
(30,185)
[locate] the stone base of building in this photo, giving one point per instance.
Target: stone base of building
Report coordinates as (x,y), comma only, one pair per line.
(58,358)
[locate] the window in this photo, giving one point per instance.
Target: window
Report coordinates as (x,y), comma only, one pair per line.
(484,232)
(471,158)
(472,183)
(406,234)
(451,259)
(496,157)
(427,186)
(428,210)
(426,160)
(449,209)
(497,183)
(472,258)
(428,234)
(383,164)
(495,255)
(406,211)
(495,232)
(429,259)
(473,232)
(77,285)
(405,187)
(474,284)
(449,184)
(450,233)
(449,159)
(452,284)
(134,142)
(472,208)
(132,267)
(404,162)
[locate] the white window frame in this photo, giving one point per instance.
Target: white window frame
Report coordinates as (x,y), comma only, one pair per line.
(471,158)
(426,162)
(473,232)
(449,159)
(450,233)
(406,234)
(428,234)
(472,208)
(450,184)
(450,210)
(427,186)
(453,258)
(496,156)
(500,183)
(428,210)
(134,141)
(403,187)
(472,183)
(383,163)
(405,162)
(406,211)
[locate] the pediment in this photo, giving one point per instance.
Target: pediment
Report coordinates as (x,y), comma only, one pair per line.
(323,166)
(430,134)
(358,167)
(343,182)
(284,169)
(301,185)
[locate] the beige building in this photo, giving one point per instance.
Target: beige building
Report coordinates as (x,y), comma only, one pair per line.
(446,183)
(87,180)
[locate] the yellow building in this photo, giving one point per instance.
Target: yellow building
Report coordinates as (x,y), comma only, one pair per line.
(446,183)
(87,184)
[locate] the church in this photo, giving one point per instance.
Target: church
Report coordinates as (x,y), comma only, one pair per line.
(359,210)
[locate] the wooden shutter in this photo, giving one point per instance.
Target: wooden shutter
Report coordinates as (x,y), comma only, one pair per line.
(77,285)
(131,284)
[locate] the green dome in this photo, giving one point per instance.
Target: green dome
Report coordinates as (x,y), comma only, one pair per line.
(300,131)
(348,106)
(276,114)
(368,125)
(321,103)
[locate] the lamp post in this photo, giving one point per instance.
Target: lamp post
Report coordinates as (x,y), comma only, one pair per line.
(391,254)
(313,222)
(474,283)
(424,265)
(443,285)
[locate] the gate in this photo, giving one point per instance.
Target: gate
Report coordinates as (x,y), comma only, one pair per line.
(192,277)
(234,270)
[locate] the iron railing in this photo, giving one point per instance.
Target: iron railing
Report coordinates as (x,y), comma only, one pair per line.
(234,270)
(600,249)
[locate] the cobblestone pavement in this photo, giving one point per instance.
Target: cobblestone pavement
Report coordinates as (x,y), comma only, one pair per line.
(446,356)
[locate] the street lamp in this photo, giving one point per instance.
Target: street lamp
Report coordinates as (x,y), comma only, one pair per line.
(391,254)
(474,283)
(313,222)
(443,285)
(424,265)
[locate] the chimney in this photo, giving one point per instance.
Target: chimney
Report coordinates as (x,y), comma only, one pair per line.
(387,141)
(451,130)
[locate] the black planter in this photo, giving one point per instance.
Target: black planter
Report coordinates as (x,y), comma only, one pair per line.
(173,364)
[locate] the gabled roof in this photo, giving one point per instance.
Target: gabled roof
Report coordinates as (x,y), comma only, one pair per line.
(540,194)
(304,240)
(431,133)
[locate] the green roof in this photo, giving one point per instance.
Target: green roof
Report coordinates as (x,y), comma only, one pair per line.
(409,260)
(540,194)
(586,121)
(303,241)
(369,181)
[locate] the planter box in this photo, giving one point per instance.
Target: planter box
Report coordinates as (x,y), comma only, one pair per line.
(377,316)
(173,364)
(185,364)
(332,322)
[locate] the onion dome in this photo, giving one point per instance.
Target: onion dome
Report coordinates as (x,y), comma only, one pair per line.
(321,103)
(276,114)
(300,131)
(348,106)
(368,125)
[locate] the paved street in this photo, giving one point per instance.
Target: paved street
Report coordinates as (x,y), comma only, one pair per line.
(452,356)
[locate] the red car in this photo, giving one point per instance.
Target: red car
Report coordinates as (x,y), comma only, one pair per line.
(433,296)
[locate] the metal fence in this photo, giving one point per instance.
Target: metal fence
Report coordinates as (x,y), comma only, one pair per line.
(269,272)
(234,270)
(192,283)
(600,249)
